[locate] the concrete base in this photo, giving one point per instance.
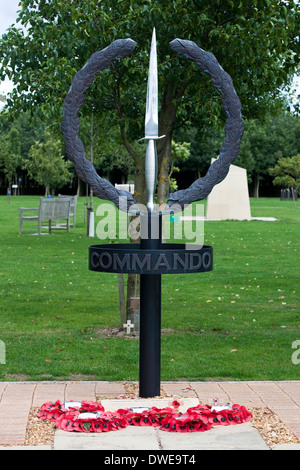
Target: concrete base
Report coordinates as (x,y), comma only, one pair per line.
(238,437)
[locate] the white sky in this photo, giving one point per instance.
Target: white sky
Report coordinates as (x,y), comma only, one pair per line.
(8,15)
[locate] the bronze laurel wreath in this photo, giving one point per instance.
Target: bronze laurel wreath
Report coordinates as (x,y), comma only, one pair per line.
(217,171)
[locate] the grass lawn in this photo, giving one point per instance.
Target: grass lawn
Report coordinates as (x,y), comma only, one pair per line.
(237,322)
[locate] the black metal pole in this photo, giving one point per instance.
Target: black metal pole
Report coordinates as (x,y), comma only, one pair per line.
(150,312)
(150,334)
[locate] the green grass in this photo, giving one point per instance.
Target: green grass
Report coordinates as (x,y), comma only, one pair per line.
(237,322)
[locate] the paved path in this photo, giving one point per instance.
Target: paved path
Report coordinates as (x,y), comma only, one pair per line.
(17,398)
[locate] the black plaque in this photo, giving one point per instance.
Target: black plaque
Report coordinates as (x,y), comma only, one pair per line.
(170,258)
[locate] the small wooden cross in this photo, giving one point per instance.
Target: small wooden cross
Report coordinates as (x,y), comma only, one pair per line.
(128,326)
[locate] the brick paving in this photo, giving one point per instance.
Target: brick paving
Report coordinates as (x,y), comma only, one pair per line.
(16,399)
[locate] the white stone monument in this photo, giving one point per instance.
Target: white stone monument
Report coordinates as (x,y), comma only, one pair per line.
(230,198)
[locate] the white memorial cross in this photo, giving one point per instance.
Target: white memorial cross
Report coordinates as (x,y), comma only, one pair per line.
(128,326)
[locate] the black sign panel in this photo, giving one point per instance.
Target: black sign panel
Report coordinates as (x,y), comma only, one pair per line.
(132,259)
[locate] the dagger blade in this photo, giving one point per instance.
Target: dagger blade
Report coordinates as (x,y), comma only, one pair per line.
(151,118)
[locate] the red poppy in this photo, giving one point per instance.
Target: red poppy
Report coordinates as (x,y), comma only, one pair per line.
(124,411)
(65,424)
(91,406)
(239,414)
(145,420)
(119,422)
(219,419)
(96,426)
(197,422)
(176,405)
(45,408)
(134,416)
(202,409)
(198,426)
(135,419)
(184,423)
(168,424)
(157,414)
(76,426)
(51,410)
(106,425)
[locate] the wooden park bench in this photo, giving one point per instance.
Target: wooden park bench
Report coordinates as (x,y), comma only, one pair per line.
(73,206)
(49,210)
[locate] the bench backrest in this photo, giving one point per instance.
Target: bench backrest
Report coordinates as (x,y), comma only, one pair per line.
(126,187)
(54,209)
(73,202)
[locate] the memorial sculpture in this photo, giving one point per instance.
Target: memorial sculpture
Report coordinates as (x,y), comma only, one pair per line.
(151,258)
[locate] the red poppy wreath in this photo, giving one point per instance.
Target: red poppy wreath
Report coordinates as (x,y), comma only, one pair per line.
(89,416)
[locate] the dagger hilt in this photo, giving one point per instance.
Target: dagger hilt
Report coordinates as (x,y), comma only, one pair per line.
(151,170)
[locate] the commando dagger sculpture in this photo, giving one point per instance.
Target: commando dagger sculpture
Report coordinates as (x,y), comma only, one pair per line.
(151,257)
(151,127)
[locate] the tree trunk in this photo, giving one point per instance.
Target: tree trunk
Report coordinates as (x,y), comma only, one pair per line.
(166,120)
(164,169)
(256,186)
(140,192)
(133,280)
(122,300)
(79,191)
(92,157)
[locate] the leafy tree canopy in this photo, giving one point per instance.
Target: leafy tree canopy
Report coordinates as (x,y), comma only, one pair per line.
(46,164)
(256,41)
(287,173)
(10,157)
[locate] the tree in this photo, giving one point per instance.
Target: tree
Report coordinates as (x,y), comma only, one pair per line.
(287,173)
(109,152)
(10,157)
(46,164)
(264,143)
(180,152)
(28,132)
(205,140)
